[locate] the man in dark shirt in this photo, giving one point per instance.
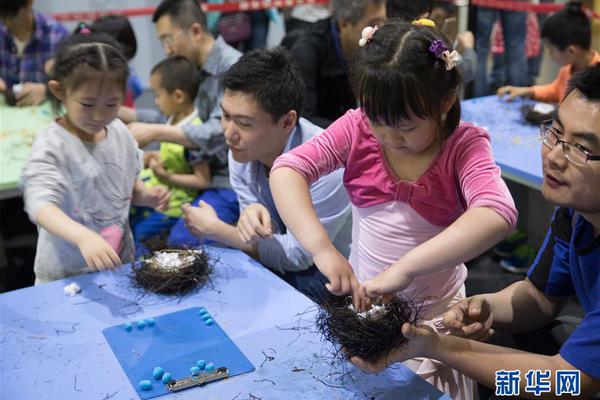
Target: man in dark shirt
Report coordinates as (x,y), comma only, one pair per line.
(325,52)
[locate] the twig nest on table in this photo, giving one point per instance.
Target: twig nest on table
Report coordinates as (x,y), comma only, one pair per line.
(173,271)
(370,334)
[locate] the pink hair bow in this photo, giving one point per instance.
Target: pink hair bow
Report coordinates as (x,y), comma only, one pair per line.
(366,35)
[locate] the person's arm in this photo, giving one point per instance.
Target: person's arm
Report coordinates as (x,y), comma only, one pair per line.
(200,178)
(511,92)
(468,62)
(127,115)
(480,361)
(155,197)
(555,90)
(290,179)
(96,251)
(31,94)
(516,309)
(331,210)
(145,133)
(203,222)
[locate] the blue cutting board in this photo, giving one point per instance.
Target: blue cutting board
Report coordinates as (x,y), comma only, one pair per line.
(175,343)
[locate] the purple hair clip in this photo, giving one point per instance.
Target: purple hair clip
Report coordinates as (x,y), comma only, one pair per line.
(438,47)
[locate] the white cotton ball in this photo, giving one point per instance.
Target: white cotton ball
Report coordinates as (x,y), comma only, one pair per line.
(72,289)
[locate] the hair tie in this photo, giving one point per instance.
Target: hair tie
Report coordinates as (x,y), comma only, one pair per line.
(83,29)
(424,22)
(366,35)
(440,51)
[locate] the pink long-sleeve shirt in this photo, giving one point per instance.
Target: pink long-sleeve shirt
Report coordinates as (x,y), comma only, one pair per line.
(392,216)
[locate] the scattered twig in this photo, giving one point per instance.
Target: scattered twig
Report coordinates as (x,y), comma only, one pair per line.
(236,396)
(267,358)
(296,369)
(253,397)
(73,329)
(75,384)
(265,380)
(325,383)
(108,396)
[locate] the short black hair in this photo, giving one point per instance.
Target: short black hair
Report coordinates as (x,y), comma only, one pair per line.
(568,26)
(10,8)
(119,27)
(408,10)
(182,12)
(587,82)
(397,75)
(178,73)
(271,77)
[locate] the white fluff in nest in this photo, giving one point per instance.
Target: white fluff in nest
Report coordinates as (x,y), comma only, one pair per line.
(173,260)
(72,289)
(375,309)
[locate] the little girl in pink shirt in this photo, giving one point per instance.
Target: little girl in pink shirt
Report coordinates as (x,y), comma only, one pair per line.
(426,193)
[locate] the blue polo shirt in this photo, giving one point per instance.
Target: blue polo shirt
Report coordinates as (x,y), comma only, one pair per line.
(569,264)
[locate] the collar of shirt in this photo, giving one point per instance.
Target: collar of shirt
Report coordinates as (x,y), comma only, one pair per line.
(214,64)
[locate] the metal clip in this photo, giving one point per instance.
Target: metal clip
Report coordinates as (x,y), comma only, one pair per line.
(198,380)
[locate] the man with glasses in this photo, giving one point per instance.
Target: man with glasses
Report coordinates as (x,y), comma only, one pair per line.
(567,264)
(182,30)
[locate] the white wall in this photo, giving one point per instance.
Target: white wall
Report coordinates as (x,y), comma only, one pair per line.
(149,51)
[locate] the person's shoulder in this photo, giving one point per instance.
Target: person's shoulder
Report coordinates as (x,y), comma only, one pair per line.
(466,133)
(314,38)
(227,54)
(48,24)
(122,133)
(308,129)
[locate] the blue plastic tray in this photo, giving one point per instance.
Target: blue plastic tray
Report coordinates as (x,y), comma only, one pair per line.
(175,342)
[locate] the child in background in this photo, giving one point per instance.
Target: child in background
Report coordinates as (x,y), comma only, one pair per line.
(568,36)
(119,27)
(175,83)
(81,175)
(426,194)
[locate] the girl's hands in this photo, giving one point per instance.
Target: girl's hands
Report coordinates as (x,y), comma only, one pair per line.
(390,281)
(471,318)
(97,253)
(341,276)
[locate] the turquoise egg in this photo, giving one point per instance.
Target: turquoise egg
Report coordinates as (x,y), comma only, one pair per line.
(202,311)
(194,370)
(201,364)
(151,321)
(210,367)
(141,324)
(158,372)
(209,321)
(128,326)
(145,384)
(166,378)
(206,317)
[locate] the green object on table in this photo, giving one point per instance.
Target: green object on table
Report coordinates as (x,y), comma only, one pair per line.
(18,128)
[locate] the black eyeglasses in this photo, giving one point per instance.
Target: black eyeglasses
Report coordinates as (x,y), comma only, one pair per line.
(572,152)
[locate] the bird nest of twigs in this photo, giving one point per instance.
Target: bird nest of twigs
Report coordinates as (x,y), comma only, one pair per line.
(370,335)
(175,271)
